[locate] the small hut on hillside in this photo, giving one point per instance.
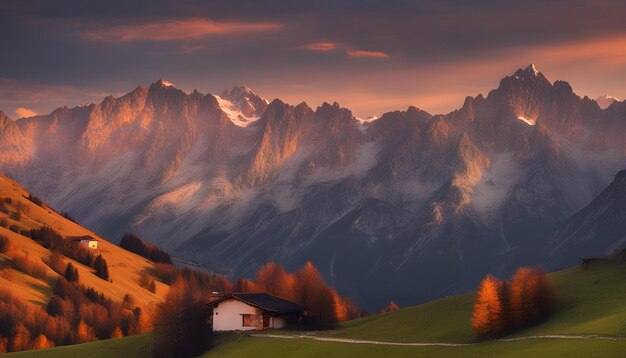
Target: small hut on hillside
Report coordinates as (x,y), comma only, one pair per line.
(86,240)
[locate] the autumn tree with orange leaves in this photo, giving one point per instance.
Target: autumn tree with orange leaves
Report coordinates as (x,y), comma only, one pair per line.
(306,287)
(487,319)
(273,279)
(502,306)
(531,297)
(312,292)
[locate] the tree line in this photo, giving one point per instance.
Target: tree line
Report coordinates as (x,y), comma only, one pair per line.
(502,307)
(133,243)
(182,327)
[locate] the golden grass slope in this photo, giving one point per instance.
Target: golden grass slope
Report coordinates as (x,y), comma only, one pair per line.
(125,267)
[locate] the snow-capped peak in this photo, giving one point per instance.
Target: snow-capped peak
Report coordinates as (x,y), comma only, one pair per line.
(245,89)
(531,71)
(605,101)
(368,119)
(235,113)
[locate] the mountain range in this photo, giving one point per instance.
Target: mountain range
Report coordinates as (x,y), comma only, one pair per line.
(409,206)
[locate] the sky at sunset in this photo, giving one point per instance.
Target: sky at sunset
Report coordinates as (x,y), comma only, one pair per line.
(370,56)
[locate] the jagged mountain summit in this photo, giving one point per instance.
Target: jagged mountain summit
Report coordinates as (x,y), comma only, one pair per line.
(233,181)
(605,101)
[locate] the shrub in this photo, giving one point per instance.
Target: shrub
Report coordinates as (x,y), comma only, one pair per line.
(56,263)
(4,223)
(15,229)
(19,210)
(42,342)
(392,306)
(36,200)
(67,215)
(147,282)
(129,300)
(5,244)
(166,273)
(30,267)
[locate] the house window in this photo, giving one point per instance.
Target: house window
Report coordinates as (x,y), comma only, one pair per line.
(246,320)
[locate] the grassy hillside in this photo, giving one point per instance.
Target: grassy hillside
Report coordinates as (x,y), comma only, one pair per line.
(124,267)
(134,346)
(591,302)
(264,347)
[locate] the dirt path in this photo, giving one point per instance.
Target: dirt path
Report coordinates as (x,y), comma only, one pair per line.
(566,336)
(360,341)
(432,344)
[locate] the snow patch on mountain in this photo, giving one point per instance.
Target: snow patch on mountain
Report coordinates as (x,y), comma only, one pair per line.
(234,113)
(529,121)
(366,158)
(367,120)
(170,204)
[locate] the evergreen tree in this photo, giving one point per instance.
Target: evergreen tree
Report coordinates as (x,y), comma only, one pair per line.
(71,273)
(100,265)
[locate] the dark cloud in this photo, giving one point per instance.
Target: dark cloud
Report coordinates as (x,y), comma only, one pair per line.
(373,55)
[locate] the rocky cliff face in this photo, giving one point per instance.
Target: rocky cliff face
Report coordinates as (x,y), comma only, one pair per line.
(233,181)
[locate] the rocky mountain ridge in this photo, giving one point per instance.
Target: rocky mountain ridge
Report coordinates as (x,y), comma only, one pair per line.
(233,181)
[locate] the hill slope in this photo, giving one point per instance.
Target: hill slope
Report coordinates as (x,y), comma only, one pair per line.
(125,267)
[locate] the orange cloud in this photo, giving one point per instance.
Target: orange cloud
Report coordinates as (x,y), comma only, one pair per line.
(173,30)
(321,46)
(330,46)
(362,53)
(22,112)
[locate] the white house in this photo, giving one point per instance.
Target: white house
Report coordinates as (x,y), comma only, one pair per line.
(88,241)
(249,311)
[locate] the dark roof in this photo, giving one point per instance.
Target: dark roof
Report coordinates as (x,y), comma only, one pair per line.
(272,304)
(81,238)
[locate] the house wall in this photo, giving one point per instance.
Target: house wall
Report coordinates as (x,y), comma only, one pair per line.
(277,322)
(227,315)
(92,244)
